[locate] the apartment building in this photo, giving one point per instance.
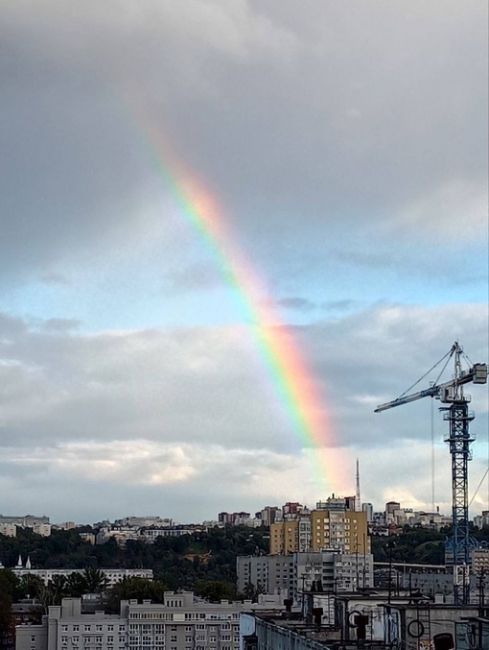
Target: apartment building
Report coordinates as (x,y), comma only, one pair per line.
(342,530)
(331,571)
(284,537)
(7,529)
(39,525)
(182,622)
(333,525)
(304,571)
(67,628)
(290,535)
(269,574)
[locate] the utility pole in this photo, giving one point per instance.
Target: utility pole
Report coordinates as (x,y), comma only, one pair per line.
(303,602)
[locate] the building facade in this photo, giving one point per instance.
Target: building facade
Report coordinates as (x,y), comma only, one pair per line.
(39,525)
(302,572)
(268,574)
(342,530)
(332,525)
(182,622)
(284,537)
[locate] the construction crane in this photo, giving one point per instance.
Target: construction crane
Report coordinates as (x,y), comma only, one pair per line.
(458,416)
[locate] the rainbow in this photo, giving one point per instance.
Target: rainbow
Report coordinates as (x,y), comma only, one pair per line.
(293,380)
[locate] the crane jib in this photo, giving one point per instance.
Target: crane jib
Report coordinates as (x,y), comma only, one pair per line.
(477,374)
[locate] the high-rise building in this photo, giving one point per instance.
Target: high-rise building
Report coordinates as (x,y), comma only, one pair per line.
(369,510)
(292,509)
(334,525)
(268,515)
(312,570)
(391,507)
(284,537)
(342,530)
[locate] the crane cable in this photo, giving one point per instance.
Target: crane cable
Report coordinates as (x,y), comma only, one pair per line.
(442,371)
(479,486)
(448,354)
(432,457)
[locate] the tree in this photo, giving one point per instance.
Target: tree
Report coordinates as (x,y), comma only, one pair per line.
(8,587)
(138,588)
(76,585)
(57,587)
(95,580)
(30,586)
(215,590)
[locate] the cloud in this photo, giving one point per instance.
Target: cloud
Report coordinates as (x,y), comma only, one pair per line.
(61,324)
(192,409)
(381,142)
(198,276)
(53,278)
(346,169)
(296,303)
(368,259)
(338,305)
(454,211)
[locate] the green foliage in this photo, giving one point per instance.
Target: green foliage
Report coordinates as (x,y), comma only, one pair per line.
(30,586)
(178,562)
(215,590)
(138,588)
(414,545)
(8,590)
(95,580)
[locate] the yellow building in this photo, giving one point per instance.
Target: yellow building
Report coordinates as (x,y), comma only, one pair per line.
(284,537)
(345,530)
(325,528)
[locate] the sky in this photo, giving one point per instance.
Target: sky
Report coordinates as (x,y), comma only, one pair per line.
(342,148)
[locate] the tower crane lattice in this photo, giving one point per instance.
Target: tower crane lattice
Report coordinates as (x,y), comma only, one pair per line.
(458,416)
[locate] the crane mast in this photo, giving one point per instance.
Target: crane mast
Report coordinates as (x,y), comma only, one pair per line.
(458,416)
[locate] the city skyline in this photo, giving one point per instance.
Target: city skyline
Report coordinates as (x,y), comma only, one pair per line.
(349,168)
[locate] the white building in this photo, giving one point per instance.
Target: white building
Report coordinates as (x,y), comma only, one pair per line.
(9,530)
(113,576)
(369,509)
(40,525)
(141,522)
(151,534)
(183,622)
(120,534)
(305,533)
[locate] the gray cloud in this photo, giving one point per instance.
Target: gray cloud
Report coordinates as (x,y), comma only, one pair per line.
(339,138)
(185,399)
(297,303)
(195,277)
(61,324)
(338,305)
(297,111)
